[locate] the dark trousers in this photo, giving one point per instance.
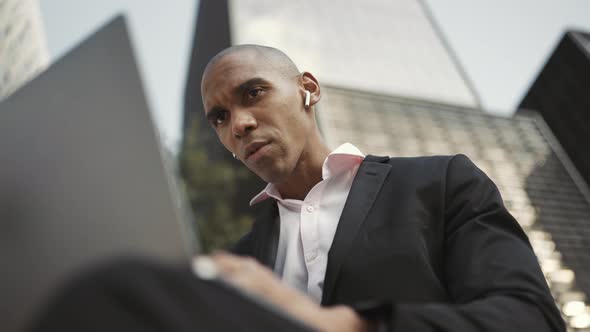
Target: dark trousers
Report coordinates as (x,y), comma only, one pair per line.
(137,295)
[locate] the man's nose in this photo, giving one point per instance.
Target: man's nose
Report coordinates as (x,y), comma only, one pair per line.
(243,122)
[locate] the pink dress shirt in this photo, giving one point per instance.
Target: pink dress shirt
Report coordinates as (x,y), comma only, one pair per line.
(307,227)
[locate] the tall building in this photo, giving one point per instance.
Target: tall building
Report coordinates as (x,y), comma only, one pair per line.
(23,49)
(392,86)
(390,47)
(560,94)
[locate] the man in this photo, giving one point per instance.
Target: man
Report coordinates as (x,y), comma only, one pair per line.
(417,243)
(344,242)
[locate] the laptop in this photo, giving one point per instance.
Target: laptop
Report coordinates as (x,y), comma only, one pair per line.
(83,177)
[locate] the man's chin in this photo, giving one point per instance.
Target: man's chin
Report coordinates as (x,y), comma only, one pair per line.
(270,176)
(270,171)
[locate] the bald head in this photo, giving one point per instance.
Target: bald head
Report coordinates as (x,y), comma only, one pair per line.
(261,108)
(275,58)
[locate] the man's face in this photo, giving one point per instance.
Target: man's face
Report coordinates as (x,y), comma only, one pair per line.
(257,112)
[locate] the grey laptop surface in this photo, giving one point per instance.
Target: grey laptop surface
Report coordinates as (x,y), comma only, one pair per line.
(82,175)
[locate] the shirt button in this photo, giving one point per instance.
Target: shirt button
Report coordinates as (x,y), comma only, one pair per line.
(310,209)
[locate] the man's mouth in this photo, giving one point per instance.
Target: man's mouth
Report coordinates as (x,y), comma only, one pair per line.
(253,147)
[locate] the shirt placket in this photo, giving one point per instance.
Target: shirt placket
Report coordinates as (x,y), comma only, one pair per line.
(310,240)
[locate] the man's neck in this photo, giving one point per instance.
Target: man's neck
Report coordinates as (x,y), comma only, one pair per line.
(307,173)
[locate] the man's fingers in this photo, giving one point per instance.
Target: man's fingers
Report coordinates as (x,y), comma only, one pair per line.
(205,268)
(225,265)
(243,272)
(248,275)
(230,264)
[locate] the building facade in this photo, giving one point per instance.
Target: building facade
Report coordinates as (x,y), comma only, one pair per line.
(23,49)
(390,47)
(560,94)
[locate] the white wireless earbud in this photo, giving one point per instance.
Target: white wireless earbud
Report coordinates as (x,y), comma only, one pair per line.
(307,97)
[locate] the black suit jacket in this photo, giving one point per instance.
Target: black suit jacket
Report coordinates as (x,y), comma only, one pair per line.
(426,244)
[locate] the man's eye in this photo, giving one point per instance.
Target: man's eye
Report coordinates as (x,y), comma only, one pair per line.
(255,92)
(219,118)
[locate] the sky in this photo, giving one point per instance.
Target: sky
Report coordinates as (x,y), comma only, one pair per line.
(502,44)
(161,32)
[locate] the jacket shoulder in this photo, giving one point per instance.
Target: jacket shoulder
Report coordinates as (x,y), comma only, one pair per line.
(425,161)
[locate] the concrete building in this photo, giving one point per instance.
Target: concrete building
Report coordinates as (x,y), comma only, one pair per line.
(390,47)
(23,49)
(560,94)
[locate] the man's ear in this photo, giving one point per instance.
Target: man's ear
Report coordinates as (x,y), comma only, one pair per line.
(311,84)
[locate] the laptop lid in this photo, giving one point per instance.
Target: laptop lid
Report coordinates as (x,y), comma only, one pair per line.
(82,175)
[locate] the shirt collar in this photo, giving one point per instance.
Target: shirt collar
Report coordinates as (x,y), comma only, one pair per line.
(343,158)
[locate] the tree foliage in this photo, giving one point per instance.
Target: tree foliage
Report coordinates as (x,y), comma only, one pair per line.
(212,187)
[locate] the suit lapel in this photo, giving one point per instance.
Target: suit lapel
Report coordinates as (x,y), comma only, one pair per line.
(266,233)
(363,192)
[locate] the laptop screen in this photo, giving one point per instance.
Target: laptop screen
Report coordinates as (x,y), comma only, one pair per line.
(83,176)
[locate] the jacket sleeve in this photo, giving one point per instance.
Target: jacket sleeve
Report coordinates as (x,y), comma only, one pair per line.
(491,273)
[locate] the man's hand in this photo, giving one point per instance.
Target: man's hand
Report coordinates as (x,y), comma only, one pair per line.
(249,275)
